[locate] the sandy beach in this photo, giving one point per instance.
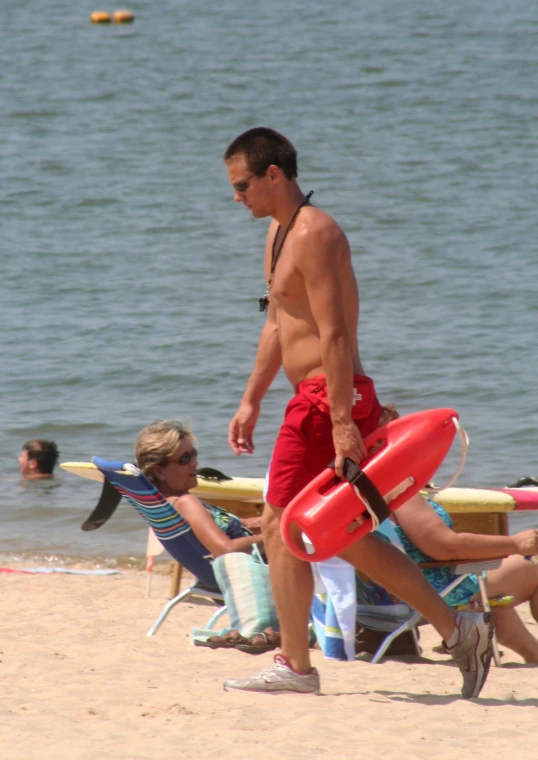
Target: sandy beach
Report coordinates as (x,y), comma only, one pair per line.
(81,680)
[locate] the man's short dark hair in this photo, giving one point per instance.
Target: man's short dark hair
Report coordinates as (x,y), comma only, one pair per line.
(262,147)
(45,453)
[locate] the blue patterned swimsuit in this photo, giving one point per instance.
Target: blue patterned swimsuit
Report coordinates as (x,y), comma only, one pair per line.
(440,577)
(228,523)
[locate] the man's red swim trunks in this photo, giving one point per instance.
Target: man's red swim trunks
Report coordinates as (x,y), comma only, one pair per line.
(304,446)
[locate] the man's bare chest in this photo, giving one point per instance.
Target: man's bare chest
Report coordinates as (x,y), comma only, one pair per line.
(287,284)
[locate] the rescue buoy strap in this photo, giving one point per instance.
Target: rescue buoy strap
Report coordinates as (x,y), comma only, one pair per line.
(358,478)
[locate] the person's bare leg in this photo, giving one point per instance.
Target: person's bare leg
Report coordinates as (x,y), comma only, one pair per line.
(468,635)
(516,577)
(394,571)
(513,633)
(293,588)
(533,603)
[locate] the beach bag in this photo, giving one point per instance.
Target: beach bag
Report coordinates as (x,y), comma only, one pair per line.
(367,640)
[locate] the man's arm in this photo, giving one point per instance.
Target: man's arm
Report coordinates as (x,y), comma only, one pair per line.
(316,256)
(268,362)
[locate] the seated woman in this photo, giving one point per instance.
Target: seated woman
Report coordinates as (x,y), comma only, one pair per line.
(166,455)
(425,529)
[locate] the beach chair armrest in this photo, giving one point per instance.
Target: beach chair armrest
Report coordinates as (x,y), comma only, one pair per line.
(464,566)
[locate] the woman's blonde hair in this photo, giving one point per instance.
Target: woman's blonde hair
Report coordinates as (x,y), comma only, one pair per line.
(156,443)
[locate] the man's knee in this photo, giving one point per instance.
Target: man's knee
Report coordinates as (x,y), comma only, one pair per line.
(271,519)
(272,537)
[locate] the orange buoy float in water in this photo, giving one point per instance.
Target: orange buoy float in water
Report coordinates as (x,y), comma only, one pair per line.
(100,17)
(333,513)
(123,17)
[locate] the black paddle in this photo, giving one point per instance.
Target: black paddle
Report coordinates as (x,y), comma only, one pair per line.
(106,506)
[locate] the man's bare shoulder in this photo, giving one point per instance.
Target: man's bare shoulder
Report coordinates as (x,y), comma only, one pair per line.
(319,229)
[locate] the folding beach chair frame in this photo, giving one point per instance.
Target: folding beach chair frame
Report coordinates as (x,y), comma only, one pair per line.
(197,589)
(389,617)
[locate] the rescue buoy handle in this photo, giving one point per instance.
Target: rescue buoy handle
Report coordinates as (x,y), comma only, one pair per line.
(376,504)
(464,447)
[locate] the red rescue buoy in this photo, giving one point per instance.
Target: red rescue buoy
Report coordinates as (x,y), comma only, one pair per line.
(335,513)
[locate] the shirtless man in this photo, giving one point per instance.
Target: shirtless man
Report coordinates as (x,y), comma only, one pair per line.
(312,306)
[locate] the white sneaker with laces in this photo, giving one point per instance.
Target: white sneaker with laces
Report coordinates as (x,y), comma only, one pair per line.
(280,678)
(472,650)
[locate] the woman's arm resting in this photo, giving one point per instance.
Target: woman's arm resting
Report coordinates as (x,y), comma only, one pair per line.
(430,534)
(207,531)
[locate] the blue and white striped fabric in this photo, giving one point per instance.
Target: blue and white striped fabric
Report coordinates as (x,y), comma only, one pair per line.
(339,592)
(172,530)
(334,608)
(246,587)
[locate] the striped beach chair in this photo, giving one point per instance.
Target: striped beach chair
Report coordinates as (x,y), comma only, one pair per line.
(175,533)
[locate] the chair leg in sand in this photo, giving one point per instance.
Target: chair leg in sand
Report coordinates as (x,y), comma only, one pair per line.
(196,589)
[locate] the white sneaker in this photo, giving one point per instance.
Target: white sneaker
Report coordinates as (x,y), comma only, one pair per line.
(473,651)
(278,679)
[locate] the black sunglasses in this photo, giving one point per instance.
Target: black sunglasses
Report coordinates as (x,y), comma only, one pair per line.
(243,185)
(185,458)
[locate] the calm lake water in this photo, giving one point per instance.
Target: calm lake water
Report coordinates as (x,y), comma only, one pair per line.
(130,278)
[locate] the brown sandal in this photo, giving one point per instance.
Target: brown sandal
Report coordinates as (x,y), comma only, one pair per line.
(265,641)
(226,641)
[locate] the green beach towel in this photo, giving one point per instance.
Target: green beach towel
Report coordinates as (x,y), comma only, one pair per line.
(245,585)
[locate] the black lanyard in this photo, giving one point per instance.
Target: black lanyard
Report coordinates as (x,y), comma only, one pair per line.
(275,253)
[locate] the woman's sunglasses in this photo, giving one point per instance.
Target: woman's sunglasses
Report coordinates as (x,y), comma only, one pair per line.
(185,458)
